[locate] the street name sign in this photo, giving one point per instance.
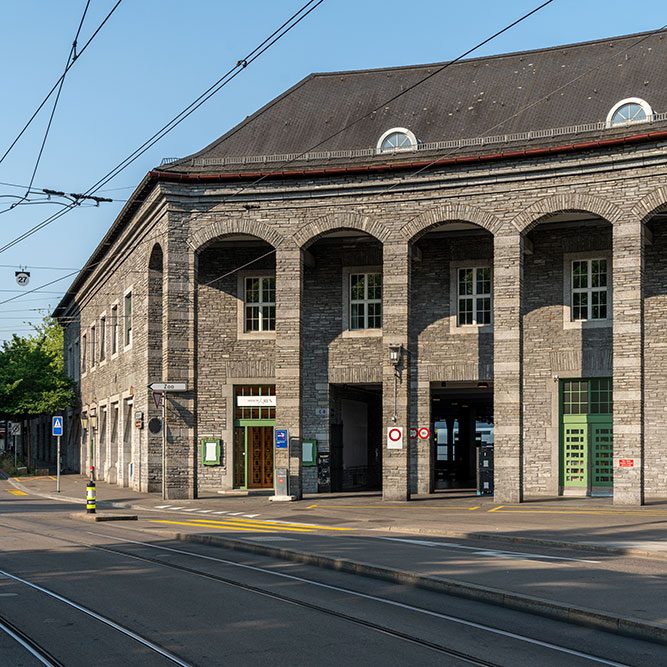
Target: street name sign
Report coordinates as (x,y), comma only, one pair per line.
(168,386)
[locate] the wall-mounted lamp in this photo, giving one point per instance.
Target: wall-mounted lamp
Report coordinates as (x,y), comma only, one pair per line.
(93,421)
(84,423)
(395,354)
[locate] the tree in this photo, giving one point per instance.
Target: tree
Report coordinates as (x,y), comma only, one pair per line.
(32,377)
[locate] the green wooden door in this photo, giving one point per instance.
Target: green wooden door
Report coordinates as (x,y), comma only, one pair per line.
(587,445)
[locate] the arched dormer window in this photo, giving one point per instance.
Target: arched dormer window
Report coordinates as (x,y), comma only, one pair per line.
(630,110)
(397,139)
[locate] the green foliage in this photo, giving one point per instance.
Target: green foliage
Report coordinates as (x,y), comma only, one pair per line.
(32,379)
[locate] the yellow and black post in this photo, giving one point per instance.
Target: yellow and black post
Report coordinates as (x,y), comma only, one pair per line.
(90,497)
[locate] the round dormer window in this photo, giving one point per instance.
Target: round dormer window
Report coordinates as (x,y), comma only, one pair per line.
(397,139)
(631,110)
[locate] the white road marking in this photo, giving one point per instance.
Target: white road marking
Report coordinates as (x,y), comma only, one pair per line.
(7,595)
(191,509)
(270,538)
(177,508)
(219,512)
(162,507)
(250,516)
(204,511)
(234,513)
(520,555)
(391,603)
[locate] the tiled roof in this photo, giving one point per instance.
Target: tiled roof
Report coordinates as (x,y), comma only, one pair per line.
(516,93)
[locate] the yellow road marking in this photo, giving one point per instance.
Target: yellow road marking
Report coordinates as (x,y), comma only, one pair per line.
(310,507)
(599,512)
(16,492)
(199,525)
(53,478)
(495,509)
(271,524)
(410,506)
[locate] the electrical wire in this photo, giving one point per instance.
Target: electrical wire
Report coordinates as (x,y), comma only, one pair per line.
(57,83)
(294,20)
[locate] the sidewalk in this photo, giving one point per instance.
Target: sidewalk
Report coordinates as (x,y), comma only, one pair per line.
(618,594)
(594,524)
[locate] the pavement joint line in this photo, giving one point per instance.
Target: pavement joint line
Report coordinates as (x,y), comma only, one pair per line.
(576,615)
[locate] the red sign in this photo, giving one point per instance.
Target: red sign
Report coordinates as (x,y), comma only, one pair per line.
(413,434)
(626,463)
(424,433)
(157,397)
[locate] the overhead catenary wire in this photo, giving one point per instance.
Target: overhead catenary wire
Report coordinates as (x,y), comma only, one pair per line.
(280,32)
(57,83)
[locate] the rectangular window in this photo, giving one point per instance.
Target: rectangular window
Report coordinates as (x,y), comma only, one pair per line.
(84,352)
(93,344)
(103,338)
(76,360)
(589,289)
(128,319)
(474,296)
(114,329)
(365,301)
(259,304)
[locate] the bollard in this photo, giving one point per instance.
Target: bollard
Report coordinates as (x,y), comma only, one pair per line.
(90,498)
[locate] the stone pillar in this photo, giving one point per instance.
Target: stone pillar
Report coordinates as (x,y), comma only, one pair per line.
(507,368)
(424,457)
(628,316)
(396,263)
(178,362)
(289,288)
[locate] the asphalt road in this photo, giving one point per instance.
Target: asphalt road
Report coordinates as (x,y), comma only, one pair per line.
(160,602)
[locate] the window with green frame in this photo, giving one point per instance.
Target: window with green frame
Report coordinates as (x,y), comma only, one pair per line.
(582,397)
(254,412)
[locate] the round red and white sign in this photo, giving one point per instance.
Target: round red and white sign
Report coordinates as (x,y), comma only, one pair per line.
(395,434)
(413,434)
(424,433)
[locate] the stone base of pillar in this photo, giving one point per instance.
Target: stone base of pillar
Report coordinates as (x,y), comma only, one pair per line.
(180,494)
(395,495)
(630,497)
(282,499)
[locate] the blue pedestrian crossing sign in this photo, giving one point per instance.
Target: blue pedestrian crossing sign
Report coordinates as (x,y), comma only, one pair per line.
(57,426)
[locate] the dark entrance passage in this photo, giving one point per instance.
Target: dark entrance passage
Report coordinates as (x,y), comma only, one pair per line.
(462,416)
(355,437)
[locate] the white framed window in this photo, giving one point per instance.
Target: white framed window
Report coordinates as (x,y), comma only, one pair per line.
(397,139)
(93,346)
(365,300)
(114,329)
(259,303)
(628,111)
(589,280)
(473,296)
(103,338)
(84,353)
(127,319)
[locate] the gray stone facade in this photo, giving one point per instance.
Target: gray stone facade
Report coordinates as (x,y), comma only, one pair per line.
(525,219)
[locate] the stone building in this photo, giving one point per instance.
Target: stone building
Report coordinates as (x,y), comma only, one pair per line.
(462,253)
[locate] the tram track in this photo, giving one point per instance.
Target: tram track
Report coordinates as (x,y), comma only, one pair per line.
(383,629)
(29,644)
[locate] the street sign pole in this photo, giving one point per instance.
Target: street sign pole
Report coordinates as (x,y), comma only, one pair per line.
(164,448)
(58,464)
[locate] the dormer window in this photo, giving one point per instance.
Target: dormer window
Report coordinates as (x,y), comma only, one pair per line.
(630,110)
(397,139)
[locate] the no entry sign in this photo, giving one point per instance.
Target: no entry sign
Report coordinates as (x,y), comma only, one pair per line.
(395,437)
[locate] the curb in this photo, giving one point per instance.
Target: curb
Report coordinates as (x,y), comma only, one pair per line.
(627,626)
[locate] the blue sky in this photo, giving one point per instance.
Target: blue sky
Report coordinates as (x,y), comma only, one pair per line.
(154,57)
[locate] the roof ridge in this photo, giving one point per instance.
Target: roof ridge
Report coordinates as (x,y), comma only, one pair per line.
(496,56)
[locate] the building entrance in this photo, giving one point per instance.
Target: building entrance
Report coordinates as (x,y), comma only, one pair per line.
(254,424)
(586,442)
(355,437)
(462,420)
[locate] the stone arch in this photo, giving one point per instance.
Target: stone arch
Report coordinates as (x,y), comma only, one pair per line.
(228,226)
(155,256)
(654,202)
(449,212)
(311,231)
(564,203)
